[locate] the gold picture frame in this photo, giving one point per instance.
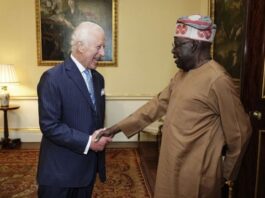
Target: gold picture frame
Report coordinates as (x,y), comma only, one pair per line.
(56,19)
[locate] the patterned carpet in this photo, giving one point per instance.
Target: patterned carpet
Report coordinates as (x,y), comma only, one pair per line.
(124,175)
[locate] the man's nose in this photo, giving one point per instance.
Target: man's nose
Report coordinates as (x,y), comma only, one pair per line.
(173,51)
(102,51)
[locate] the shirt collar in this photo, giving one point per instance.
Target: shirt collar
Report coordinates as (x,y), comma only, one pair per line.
(80,67)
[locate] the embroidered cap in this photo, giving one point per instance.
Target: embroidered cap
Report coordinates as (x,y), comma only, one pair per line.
(196,27)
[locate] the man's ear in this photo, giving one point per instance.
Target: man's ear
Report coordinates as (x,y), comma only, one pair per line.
(80,47)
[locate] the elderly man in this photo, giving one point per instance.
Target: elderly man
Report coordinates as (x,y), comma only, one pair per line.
(71,108)
(203,113)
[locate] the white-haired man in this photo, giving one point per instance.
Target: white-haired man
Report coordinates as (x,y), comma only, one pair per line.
(71,109)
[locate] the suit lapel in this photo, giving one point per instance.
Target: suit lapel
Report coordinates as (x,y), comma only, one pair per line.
(96,88)
(74,74)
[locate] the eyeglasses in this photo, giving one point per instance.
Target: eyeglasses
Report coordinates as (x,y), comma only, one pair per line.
(180,44)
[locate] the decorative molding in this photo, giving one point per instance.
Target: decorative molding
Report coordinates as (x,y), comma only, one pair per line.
(129,97)
(34,129)
(34,135)
(23,98)
(108,97)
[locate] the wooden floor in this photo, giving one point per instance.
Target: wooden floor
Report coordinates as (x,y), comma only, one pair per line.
(148,153)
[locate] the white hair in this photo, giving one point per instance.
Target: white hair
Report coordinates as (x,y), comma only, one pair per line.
(83,33)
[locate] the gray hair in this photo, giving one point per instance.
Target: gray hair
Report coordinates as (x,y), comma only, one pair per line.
(83,33)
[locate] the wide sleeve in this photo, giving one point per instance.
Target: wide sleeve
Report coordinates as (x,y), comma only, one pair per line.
(148,113)
(235,124)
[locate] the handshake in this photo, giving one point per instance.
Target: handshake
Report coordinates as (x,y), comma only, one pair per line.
(102,137)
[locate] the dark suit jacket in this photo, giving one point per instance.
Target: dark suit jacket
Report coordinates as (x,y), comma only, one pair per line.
(67,118)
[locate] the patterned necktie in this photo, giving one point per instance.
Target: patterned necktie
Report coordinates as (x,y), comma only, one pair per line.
(90,87)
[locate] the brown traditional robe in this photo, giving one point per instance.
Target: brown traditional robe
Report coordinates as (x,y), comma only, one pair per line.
(203,113)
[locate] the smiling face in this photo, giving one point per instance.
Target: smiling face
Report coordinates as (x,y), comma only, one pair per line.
(88,44)
(183,53)
(92,50)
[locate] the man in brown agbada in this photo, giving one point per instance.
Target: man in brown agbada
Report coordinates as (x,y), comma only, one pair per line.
(203,113)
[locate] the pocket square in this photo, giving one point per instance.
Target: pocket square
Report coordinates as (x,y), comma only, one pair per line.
(102,93)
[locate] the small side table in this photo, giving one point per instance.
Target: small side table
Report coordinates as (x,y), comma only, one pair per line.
(153,129)
(6,142)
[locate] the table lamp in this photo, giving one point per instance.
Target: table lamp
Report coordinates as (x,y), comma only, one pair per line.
(7,77)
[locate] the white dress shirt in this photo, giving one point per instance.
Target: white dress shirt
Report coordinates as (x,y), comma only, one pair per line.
(81,68)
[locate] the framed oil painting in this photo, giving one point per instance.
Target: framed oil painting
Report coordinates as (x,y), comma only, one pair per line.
(56,19)
(228,42)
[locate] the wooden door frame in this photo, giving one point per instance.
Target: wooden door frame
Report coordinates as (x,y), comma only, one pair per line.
(249,181)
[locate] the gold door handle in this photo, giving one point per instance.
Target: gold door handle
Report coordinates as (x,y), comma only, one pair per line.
(257,115)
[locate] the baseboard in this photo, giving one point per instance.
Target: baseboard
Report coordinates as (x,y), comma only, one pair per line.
(35,136)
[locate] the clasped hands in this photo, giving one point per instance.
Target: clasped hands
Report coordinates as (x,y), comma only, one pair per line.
(100,138)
